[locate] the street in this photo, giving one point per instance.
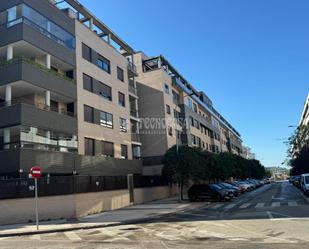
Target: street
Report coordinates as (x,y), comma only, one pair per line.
(274,216)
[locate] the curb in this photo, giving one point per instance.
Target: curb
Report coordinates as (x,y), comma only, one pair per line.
(127,222)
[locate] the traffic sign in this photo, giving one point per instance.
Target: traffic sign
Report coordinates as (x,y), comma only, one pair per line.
(35,172)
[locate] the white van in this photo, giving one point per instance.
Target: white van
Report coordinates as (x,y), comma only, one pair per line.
(304,183)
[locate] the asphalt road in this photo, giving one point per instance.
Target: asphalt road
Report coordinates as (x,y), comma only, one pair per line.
(274,216)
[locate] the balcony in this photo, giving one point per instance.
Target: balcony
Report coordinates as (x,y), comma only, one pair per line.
(132,68)
(37,115)
(134,113)
(27,70)
(132,89)
(135,137)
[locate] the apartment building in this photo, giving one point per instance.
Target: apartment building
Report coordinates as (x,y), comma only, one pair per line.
(305,115)
(173,112)
(68,100)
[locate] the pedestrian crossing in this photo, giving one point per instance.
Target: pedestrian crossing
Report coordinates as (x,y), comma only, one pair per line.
(258,205)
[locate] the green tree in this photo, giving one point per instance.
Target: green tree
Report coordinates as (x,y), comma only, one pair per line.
(180,166)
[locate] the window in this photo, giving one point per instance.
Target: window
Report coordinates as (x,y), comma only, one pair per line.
(198,142)
(123,125)
(88,114)
(87,82)
(120,74)
(89,147)
(106,119)
(193,139)
(86,52)
(175,98)
(105,91)
(196,124)
(203,145)
(195,107)
(104,64)
(190,104)
(107,149)
(191,121)
(166,89)
(121,99)
(178,134)
(124,151)
(170,131)
(168,109)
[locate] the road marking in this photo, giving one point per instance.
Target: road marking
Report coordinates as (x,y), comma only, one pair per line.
(217,206)
(245,205)
(270,216)
(183,206)
(72,236)
(275,204)
(238,239)
(36,237)
(230,206)
(292,204)
(260,205)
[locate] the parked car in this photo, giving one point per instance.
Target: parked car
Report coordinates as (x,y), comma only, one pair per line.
(242,187)
(304,183)
(230,192)
(207,192)
(249,186)
(296,181)
(236,190)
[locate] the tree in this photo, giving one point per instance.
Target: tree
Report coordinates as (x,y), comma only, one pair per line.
(199,166)
(300,163)
(179,167)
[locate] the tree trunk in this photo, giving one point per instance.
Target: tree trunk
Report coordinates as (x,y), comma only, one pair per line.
(181,191)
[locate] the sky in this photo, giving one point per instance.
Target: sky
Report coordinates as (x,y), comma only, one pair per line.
(251,57)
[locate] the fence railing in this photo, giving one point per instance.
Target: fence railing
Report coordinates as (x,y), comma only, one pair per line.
(66,185)
(38,105)
(21,59)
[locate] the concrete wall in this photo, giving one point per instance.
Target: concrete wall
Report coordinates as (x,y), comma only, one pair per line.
(79,205)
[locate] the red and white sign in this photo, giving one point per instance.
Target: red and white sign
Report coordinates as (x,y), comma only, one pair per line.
(35,172)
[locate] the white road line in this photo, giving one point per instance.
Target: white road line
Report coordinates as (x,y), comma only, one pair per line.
(217,206)
(72,236)
(275,204)
(36,237)
(260,205)
(245,205)
(292,204)
(183,206)
(230,206)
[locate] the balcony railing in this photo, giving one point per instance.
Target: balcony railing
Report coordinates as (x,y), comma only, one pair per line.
(68,44)
(134,113)
(132,68)
(38,105)
(16,60)
(135,137)
(132,89)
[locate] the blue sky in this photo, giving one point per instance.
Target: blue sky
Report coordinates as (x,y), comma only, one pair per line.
(251,57)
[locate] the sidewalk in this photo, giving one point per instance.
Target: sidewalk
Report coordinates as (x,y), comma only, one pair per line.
(132,214)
